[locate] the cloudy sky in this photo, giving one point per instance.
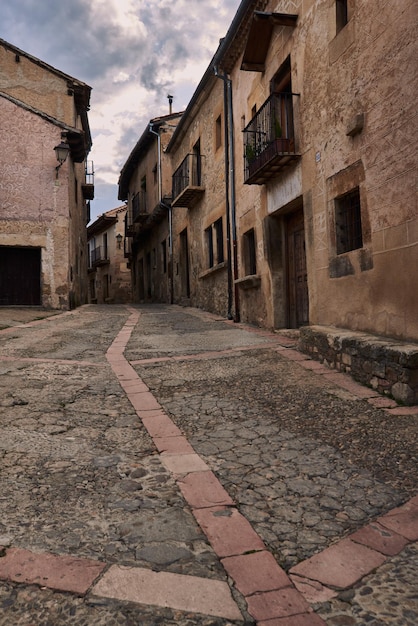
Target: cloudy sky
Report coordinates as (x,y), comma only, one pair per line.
(133,53)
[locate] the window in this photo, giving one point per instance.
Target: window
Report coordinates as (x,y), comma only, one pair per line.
(348,222)
(209,245)
(218,227)
(164,255)
(105,251)
(218,133)
(197,165)
(215,243)
(341,14)
(155,172)
(250,266)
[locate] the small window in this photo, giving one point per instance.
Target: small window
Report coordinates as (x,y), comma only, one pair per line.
(218,133)
(249,253)
(218,227)
(155,173)
(214,238)
(209,245)
(144,183)
(341,11)
(105,251)
(164,255)
(348,222)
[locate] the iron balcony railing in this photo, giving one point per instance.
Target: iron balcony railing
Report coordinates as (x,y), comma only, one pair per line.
(139,205)
(137,211)
(188,181)
(88,184)
(99,255)
(269,138)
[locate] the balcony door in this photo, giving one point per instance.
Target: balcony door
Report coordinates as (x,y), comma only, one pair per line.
(298,297)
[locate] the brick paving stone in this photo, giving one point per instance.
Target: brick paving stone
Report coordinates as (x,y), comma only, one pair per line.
(187,593)
(158,424)
(403,520)
(279,603)
(303,619)
(341,565)
(382,402)
(379,538)
(180,464)
(173,445)
(64,573)
(203,490)
(256,572)
(228,531)
(144,401)
(312,590)
(404,410)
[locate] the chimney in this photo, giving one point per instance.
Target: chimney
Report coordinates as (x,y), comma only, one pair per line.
(170,103)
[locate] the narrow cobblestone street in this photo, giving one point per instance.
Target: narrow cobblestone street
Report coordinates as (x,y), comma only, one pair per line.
(161,465)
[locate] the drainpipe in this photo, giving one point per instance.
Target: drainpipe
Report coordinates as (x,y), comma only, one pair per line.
(169,209)
(233,294)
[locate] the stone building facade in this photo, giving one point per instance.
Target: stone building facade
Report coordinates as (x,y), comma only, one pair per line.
(298,151)
(108,272)
(44,205)
(145,186)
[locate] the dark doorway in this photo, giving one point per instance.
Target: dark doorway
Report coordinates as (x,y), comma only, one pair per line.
(20,276)
(298,297)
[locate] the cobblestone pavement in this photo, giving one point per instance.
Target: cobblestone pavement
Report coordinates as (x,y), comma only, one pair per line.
(306,461)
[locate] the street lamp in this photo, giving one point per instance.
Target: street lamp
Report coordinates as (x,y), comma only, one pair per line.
(61,152)
(119,240)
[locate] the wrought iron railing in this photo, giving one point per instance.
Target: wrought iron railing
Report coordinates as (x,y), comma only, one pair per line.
(188,174)
(139,205)
(98,254)
(89,171)
(271,127)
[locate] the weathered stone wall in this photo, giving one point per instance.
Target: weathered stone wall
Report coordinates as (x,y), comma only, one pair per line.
(354,126)
(29,81)
(34,204)
(387,366)
(208,285)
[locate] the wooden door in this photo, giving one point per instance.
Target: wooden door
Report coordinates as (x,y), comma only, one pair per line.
(298,297)
(20,276)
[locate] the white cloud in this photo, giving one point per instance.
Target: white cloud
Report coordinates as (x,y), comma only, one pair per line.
(132,52)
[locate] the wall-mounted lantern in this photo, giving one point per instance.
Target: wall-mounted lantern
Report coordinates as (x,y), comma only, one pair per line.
(61,152)
(119,240)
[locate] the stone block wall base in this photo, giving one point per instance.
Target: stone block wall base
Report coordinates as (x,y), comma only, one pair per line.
(388,366)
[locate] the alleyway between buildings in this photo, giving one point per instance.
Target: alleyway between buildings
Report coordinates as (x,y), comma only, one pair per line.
(161,465)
